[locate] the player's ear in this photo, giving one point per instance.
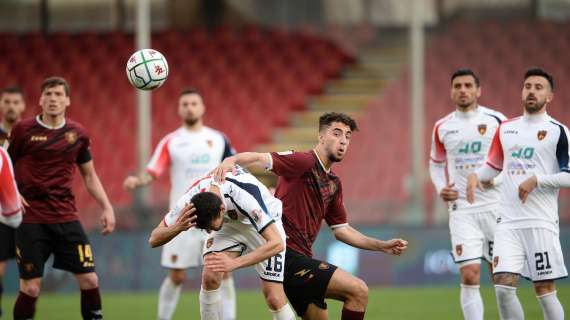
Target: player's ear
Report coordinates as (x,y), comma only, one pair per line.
(478,93)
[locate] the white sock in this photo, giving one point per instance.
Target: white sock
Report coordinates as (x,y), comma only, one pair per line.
(285,313)
(471,302)
(168,299)
(509,305)
(551,306)
(211,305)
(229,298)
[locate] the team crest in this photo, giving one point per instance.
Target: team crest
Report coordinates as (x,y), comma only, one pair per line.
(232,214)
(482,128)
(324,266)
(210,143)
(541,134)
(209,243)
(29,267)
(495,261)
(71,137)
(174,258)
(459,249)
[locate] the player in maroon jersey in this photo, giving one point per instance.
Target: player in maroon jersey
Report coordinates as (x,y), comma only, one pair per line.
(311,193)
(11,106)
(46,150)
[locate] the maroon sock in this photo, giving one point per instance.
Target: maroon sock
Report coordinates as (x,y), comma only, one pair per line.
(352,315)
(91,304)
(25,307)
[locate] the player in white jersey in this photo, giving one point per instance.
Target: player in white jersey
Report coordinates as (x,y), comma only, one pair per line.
(189,152)
(532,152)
(246,220)
(460,142)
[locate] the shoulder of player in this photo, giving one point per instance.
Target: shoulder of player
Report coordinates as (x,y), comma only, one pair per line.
(495,115)
(444,119)
(74,125)
(215,133)
(509,123)
(558,124)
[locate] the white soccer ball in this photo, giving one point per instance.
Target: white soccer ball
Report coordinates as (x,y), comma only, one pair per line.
(147,69)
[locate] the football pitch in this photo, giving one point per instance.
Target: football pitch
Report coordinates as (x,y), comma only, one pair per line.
(385,303)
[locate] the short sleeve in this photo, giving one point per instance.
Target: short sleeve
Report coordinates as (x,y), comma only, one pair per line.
(84,154)
(291,164)
(228,148)
(562,152)
(9,197)
(160,159)
(248,200)
(496,156)
(336,214)
(16,142)
(438,153)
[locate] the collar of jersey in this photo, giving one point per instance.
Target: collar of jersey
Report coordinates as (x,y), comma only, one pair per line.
(467,115)
(320,162)
(535,118)
(43,124)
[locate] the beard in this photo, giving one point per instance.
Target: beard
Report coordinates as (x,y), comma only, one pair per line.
(191,121)
(533,106)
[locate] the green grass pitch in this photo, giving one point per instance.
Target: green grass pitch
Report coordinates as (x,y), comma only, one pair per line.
(384,303)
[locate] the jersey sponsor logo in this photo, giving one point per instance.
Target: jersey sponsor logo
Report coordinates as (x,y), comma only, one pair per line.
(459,249)
(233,214)
(511,132)
(209,243)
(495,261)
(541,134)
(38,138)
(302,273)
(71,137)
(452,131)
(324,266)
(200,158)
(482,129)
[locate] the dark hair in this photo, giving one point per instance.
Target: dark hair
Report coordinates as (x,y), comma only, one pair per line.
(54,82)
(328,118)
(465,72)
(12,89)
(190,90)
(207,206)
(540,73)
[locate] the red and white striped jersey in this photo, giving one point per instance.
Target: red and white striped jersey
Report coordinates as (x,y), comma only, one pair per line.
(189,155)
(460,142)
(10,204)
(523,147)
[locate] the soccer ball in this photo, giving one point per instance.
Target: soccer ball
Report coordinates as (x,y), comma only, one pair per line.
(147,69)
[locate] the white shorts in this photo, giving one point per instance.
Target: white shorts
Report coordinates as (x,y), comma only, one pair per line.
(534,253)
(472,235)
(244,238)
(185,250)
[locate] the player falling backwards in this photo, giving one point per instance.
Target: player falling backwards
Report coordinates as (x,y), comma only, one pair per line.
(311,193)
(246,220)
(460,142)
(532,153)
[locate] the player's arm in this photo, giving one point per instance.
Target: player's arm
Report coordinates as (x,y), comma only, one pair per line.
(158,163)
(138,181)
(437,164)
(355,238)
(163,233)
(11,209)
(487,172)
(220,262)
(245,159)
(95,188)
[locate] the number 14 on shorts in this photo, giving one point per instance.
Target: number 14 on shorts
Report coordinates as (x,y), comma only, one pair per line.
(85,255)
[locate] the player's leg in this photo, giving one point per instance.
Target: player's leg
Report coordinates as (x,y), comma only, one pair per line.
(228,291)
(72,252)
(509,262)
(210,294)
(7,251)
(352,291)
(544,253)
(178,255)
(34,247)
(470,297)
(277,301)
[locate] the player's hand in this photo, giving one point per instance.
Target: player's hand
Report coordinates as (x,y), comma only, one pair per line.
(187,218)
(219,173)
(131,183)
(472,183)
(394,246)
(108,221)
(526,187)
(220,262)
(25,203)
(449,193)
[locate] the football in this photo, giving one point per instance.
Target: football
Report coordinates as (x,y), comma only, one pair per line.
(147,69)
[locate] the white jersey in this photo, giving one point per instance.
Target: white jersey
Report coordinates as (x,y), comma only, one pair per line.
(523,147)
(10,203)
(189,155)
(247,201)
(461,140)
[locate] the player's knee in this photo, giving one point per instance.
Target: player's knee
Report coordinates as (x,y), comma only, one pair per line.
(211,280)
(359,292)
(275,301)
(88,281)
(544,287)
(177,276)
(30,287)
(470,275)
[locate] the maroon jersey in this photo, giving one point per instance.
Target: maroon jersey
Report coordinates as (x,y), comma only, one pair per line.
(309,195)
(44,164)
